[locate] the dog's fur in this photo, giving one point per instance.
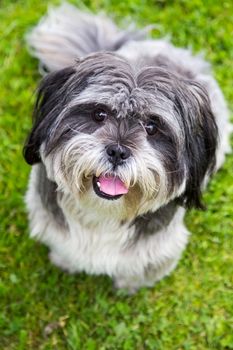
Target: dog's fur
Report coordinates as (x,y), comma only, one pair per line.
(138,238)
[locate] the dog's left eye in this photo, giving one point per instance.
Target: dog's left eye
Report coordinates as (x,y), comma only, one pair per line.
(100,115)
(151,128)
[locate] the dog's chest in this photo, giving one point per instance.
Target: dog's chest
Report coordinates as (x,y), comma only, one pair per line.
(97,247)
(98,242)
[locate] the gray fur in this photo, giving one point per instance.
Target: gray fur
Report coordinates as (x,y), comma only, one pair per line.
(47,190)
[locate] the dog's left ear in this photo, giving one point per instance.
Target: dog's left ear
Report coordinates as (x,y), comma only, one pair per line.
(201,138)
(51,99)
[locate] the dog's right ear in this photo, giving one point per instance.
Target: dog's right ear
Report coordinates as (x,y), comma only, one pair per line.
(51,99)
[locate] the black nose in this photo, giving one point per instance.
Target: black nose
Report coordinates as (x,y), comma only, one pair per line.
(117,153)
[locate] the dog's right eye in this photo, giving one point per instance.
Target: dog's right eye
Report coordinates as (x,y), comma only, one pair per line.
(99,115)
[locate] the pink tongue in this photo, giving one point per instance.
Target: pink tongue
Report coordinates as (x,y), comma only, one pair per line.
(112,185)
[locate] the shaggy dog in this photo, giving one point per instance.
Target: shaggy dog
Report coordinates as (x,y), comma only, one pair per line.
(126,134)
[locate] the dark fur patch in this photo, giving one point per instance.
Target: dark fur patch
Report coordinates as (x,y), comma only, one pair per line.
(48,193)
(52,98)
(201,139)
(165,142)
(150,223)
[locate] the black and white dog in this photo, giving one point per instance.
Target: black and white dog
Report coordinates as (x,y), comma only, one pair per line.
(126,134)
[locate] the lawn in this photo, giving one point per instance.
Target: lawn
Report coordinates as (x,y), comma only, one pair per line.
(43,308)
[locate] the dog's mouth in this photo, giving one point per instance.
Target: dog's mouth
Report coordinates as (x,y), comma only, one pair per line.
(109,187)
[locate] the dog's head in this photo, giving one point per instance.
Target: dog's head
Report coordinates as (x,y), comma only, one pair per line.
(106,131)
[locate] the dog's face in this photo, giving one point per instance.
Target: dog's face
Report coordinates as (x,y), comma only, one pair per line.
(113,134)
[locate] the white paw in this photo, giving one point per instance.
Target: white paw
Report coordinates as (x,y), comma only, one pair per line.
(59,261)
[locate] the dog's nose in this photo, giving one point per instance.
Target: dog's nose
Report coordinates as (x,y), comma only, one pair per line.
(117,153)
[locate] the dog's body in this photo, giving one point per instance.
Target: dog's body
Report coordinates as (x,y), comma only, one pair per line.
(122,142)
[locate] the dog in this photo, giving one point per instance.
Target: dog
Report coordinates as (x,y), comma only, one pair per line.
(127,132)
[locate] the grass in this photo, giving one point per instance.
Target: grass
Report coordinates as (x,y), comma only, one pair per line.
(44,308)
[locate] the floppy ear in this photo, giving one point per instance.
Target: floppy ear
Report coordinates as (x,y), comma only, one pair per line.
(50,101)
(201,138)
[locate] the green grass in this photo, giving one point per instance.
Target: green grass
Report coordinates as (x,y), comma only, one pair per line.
(44,308)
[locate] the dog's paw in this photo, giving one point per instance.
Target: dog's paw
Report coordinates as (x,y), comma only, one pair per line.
(126,286)
(59,261)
